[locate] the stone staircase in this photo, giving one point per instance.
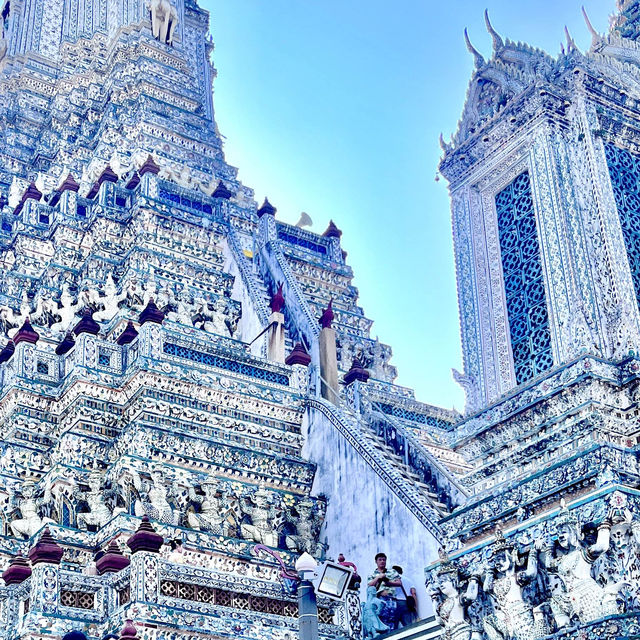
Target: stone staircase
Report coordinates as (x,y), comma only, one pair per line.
(427,629)
(414,475)
(403,469)
(439,479)
(388,466)
(254,285)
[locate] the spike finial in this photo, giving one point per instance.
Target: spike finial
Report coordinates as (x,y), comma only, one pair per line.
(473,51)
(498,42)
(571,44)
(595,36)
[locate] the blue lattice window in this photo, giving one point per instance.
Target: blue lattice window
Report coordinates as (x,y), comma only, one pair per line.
(67,514)
(235,366)
(414,416)
(300,241)
(185,201)
(624,169)
(523,282)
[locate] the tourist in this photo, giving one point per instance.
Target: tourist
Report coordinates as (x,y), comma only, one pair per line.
(355,581)
(372,627)
(176,555)
(385,580)
(407,600)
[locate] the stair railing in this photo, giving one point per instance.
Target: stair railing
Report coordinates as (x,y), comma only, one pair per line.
(417,457)
(349,426)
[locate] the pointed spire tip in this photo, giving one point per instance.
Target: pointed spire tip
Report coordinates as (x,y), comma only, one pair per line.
(479,60)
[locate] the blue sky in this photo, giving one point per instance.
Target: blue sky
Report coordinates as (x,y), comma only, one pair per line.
(334,107)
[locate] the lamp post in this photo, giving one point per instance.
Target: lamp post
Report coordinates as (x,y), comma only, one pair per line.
(307,602)
(329,579)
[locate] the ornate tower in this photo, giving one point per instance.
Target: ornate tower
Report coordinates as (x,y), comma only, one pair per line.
(543,173)
(101,91)
(545,250)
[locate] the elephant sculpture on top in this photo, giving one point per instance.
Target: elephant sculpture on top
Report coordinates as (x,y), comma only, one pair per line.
(164,20)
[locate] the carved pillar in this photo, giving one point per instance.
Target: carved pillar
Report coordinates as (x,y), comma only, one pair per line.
(328,357)
(145,581)
(275,338)
(329,365)
(353,611)
(299,360)
(275,332)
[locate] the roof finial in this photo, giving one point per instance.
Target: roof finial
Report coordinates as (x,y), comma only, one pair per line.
(474,52)
(498,42)
(595,36)
(571,44)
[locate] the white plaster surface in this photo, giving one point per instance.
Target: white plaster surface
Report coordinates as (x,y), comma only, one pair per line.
(363,515)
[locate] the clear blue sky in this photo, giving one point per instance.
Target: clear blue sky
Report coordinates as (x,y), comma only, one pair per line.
(334,107)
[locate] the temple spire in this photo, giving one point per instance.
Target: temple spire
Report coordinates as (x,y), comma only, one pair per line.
(571,43)
(473,51)
(498,42)
(595,36)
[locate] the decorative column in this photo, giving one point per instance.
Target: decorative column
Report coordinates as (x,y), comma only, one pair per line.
(353,611)
(352,380)
(45,558)
(85,331)
(333,234)
(328,357)
(150,338)
(266,223)
(24,345)
(275,331)
(13,606)
(145,545)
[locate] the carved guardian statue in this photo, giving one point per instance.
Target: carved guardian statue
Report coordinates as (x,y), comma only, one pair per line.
(164,19)
(264,516)
(30,520)
(99,512)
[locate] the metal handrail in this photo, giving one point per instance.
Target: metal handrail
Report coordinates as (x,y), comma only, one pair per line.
(247,276)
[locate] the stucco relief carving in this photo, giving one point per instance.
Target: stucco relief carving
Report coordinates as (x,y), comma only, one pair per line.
(532,586)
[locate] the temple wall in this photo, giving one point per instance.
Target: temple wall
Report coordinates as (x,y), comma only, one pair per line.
(363,515)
